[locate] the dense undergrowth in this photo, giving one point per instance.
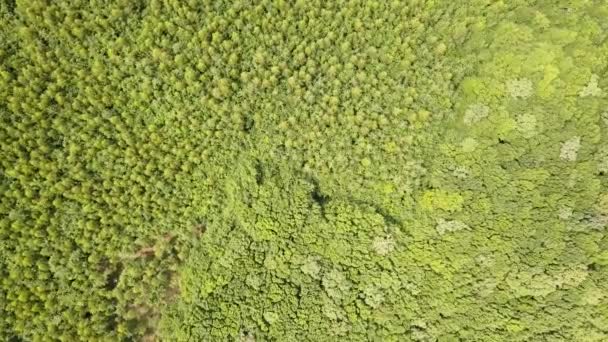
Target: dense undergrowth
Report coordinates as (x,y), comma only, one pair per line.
(304,170)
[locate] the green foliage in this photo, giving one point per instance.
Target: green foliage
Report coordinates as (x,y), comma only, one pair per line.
(303,170)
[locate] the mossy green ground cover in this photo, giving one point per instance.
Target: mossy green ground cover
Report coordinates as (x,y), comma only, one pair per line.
(420,170)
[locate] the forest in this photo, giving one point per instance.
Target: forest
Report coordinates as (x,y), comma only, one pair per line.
(304,170)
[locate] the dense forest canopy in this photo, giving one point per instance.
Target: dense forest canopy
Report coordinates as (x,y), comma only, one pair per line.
(275,170)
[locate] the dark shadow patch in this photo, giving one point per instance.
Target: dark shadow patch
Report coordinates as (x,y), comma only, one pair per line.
(388,218)
(10,6)
(112,322)
(248,124)
(138,9)
(318,196)
(114,277)
(259,173)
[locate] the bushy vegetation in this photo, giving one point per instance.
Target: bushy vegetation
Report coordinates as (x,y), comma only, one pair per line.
(203,170)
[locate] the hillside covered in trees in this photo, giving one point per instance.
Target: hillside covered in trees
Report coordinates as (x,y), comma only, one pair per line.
(310,170)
